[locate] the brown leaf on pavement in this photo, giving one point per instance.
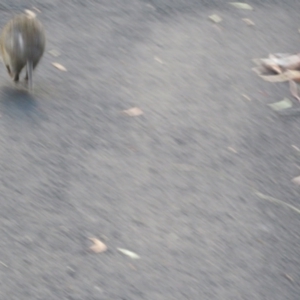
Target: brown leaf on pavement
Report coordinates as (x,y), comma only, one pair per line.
(98,246)
(133,112)
(59,66)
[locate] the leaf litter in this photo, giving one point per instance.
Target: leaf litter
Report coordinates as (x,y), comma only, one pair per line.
(133,112)
(296,148)
(98,246)
(158,60)
(59,66)
(281,105)
(30,13)
(215,18)
(274,200)
(246,97)
(290,278)
(129,253)
(280,67)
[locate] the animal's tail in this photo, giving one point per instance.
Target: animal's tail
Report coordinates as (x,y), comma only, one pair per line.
(29,68)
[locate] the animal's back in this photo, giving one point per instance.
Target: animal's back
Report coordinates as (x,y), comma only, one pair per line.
(23,39)
(22,43)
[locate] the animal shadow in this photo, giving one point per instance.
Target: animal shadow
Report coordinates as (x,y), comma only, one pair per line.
(17,98)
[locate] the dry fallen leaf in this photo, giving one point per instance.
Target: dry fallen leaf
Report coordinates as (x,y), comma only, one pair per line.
(30,13)
(290,278)
(215,18)
(248,22)
(274,200)
(98,246)
(281,105)
(232,149)
(286,76)
(3,264)
(241,5)
(278,63)
(246,97)
(129,253)
(59,66)
(284,60)
(133,112)
(296,180)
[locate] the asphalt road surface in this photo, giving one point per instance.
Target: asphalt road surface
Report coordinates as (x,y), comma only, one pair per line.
(188,185)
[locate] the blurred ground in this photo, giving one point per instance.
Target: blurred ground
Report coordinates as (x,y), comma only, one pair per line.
(176,185)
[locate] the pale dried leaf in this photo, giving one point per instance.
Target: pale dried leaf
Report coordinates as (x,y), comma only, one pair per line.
(296,180)
(232,150)
(275,78)
(292,75)
(241,5)
(129,253)
(268,65)
(98,246)
(291,279)
(246,97)
(3,264)
(215,18)
(274,200)
(248,22)
(284,61)
(133,112)
(30,13)
(59,66)
(296,148)
(279,62)
(286,76)
(281,105)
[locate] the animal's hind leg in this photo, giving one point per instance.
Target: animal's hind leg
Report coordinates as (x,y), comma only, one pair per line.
(15,74)
(16,77)
(8,69)
(28,77)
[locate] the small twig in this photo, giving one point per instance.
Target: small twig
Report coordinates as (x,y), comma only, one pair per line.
(232,149)
(288,277)
(266,197)
(3,264)
(246,97)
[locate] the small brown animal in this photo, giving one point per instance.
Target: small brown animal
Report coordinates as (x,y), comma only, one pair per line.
(22,43)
